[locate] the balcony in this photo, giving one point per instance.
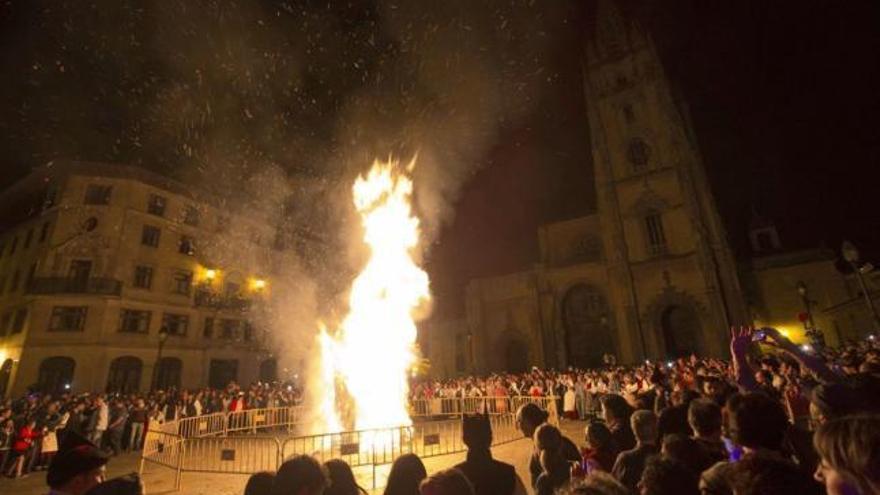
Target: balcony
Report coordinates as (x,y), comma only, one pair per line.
(208,299)
(65,285)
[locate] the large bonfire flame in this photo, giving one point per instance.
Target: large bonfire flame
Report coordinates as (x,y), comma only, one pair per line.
(373,349)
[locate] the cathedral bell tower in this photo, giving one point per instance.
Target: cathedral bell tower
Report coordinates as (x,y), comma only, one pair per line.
(672,278)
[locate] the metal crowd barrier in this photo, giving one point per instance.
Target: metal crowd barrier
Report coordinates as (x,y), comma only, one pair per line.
(215,443)
(457,406)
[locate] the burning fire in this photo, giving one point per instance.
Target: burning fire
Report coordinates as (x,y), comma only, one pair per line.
(372,350)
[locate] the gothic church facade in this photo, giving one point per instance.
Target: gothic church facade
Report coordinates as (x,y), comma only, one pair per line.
(650,274)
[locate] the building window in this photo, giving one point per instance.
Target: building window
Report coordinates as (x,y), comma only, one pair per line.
(98,194)
(30,276)
(182,282)
(656,236)
(68,319)
(156,205)
(13,246)
(248,332)
(150,236)
(28,238)
(628,114)
(143,277)
(232,289)
(187,246)
(638,154)
(4,322)
(208,329)
(191,216)
(134,321)
(175,324)
(228,329)
(44,232)
(16,278)
(19,321)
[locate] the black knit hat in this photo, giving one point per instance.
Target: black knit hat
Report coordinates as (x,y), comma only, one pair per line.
(75,456)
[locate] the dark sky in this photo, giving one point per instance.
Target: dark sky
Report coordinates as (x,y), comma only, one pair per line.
(784,97)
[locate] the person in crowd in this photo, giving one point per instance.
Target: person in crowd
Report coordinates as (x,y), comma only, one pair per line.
(22,447)
(849,449)
(101,421)
(555,467)
(770,475)
(616,413)
(756,426)
(77,467)
(129,484)
(488,476)
(569,403)
(665,476)
(685,450)
(528,418)
(446,482)
(704,418)
(342,480)
(259,483)
(407,472)
(300,475)
(630,463)
(116,426)
(596,483)
(137,420)
(7,437)
(674,419)
(600,451)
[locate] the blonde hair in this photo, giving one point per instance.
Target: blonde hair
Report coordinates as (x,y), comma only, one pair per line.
(851,446)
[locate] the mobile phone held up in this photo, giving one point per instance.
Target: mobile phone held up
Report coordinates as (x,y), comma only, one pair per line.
(760,335)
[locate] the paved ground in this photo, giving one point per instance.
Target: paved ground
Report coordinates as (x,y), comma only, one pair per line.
(160,480)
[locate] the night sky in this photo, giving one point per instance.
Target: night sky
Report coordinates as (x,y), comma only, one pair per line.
(784,97)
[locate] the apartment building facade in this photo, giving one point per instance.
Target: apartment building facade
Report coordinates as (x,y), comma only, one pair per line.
(115,278)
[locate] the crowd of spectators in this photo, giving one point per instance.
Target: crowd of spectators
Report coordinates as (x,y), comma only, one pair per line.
(774,418)
(33,426)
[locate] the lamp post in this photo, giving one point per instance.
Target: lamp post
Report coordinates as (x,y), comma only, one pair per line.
(163,336)
(851,255)
(813,333)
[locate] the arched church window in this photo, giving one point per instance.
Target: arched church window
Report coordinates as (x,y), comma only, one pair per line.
(638,153)
(654,233)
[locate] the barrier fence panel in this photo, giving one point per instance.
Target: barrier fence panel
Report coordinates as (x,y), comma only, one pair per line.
(457,406)
(202,444)
(357,448)
(202,426)
(251,420)
(163,449)
(437,438)
(234,455)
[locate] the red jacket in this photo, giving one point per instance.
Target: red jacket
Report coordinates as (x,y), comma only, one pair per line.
(24,439)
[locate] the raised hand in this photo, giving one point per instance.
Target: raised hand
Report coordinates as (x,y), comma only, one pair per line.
(740,339)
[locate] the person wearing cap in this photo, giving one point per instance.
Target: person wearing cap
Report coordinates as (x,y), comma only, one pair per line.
(76,468)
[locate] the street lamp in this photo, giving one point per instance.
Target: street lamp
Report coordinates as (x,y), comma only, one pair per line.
(851,255)
(163,336)
(813,333)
